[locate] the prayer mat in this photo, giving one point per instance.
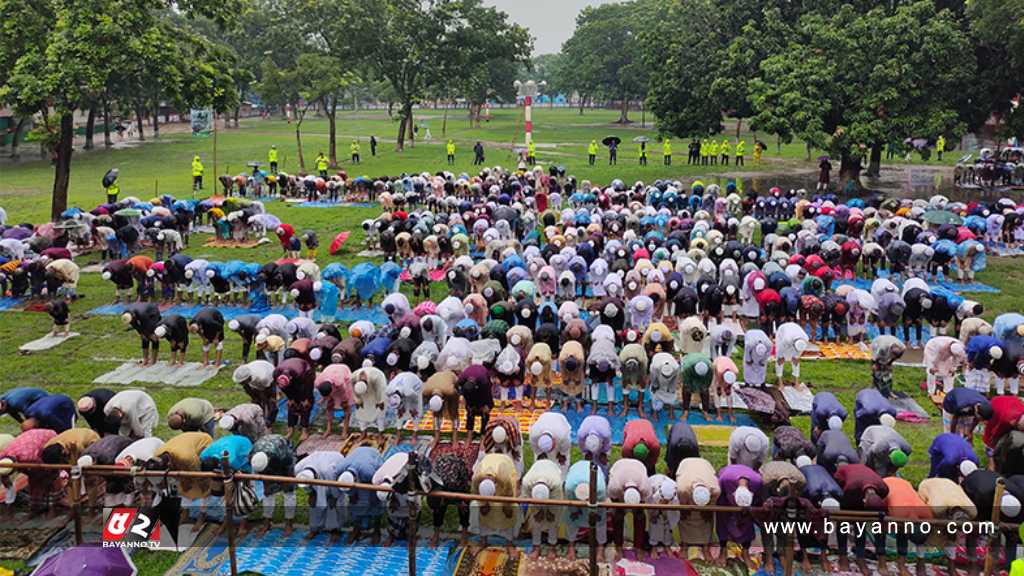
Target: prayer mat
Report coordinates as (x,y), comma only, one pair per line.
(799,398)
(45,343)
(275,554)
(218,243)
(327,204)
(375,314)
(1005,251)
(37,306)
(467,453)
(908,404)
(91,269)
(664,565)
(558,566)
(23,543)
(370,253)
(491,561)
(436,275)
(319,443)
(9,303)
(191,374)
(525,415)
(840,351)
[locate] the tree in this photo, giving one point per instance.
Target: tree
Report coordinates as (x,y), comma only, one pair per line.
(676,49)
(604,54)
(852,79)
(58,68)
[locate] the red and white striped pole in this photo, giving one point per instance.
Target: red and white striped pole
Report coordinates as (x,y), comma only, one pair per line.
(528,113)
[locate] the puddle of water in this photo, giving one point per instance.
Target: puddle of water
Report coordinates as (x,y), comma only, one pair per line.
(901,182)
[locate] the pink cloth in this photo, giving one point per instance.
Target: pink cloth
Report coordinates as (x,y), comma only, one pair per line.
(28,446)
(340,378)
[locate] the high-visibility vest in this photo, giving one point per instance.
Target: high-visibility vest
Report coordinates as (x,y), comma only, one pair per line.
(666,148)
(451,148)
(354,147)
(740,148)
(592,149)
(197,167)
(724,148)
(531,148)
(321,164)
(272,155)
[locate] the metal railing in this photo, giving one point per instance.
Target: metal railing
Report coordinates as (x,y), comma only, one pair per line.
(229,477)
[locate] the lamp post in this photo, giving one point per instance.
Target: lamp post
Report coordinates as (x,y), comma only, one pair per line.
(528,91)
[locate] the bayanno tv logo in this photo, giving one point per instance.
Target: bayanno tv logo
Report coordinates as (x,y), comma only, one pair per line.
(131,528)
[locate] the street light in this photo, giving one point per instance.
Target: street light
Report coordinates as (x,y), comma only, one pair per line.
(528,91)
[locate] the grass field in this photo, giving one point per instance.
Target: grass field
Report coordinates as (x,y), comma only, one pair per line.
(163,166)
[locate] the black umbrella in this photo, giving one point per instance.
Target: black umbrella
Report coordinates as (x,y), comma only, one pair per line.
(608,140)
(109,177)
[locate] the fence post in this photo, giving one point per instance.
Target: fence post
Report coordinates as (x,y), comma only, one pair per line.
(592,517)
(994,546)
(76,514)
(412,478)
(229,516)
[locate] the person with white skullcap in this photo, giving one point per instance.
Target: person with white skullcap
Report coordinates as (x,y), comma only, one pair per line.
(551,439)
(633,361)
(182,453)
(577,487)
(324,510)
(749,446)
(272,455)
(543,481)
(660,523)
(790,342)
(697,373)
(628,482)
(944,357)
(257,379)
(538,371)
(697,484)
(335,386)
(757,349)
(364,507)
(741,486)
(405,397)
(369,385)
(496,475)
(694,335)
(245,420)
(664,383)
(441,397)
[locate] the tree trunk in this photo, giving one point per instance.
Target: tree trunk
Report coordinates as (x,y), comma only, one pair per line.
(849,171)
(138,118)
(90,127)
(156,117)
(778,144)
(807,152)
(298,140)
(331,111)
(17,136)
(444,123)
(62,168)
(237,109)
(402,125)
(107,140)
(739,126)
(624,112)
(583,103)
(391,108)
(410,132)
(875,162)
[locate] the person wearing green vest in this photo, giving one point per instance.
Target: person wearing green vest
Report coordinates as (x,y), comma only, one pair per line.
(592,152)
(723,151)
(451,151)
(741,148)
(704,152)
(940,146)
(531,153)
(197,173)
(642,153)
(112,191)
(354,150)
(713,152)
(272,158)
(666,151)
(321,165)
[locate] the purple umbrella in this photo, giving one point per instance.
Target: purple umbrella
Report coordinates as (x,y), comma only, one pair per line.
(87,561)
(17,232)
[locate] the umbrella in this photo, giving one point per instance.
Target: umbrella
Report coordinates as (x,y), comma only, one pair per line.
(608,140)
(363,181)
(823,158)
(87,561)
(338,242)
(640,139)
(253,164)
(109,177)
(128,212)
(67,224)
(941,217)
(965,158)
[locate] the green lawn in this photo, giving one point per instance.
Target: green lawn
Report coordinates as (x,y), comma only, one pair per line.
(163,166)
